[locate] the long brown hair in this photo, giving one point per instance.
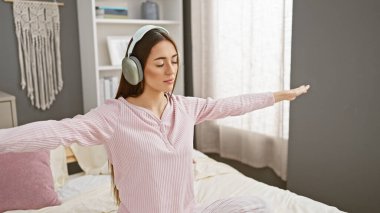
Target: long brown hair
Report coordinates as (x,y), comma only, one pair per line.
(141,51)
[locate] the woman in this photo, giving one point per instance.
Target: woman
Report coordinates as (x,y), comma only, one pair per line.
(148,131)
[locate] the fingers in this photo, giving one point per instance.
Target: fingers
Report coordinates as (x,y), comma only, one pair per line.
(304,88)
(300,90)
(294,93)
(307,87)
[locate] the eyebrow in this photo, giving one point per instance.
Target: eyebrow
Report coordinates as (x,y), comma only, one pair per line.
(165,57)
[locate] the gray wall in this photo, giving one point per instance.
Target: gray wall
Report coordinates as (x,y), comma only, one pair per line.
(334,149)
(69,101)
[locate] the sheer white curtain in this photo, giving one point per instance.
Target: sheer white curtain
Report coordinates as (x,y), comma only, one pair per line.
(243,46)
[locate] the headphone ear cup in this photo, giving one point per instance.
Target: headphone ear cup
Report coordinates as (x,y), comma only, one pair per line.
(132,70)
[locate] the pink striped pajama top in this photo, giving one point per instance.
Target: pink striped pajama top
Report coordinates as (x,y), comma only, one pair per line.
(152,157)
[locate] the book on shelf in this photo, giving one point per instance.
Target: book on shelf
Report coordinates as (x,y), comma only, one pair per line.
(111,8)
(101,90)
(111,16)
(108,87)
(114,85)
(111,12)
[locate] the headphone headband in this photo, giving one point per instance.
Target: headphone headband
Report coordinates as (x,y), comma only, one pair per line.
(131,66)
(140,33)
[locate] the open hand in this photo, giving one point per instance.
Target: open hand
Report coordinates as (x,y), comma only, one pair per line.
(294,93)
(290,95)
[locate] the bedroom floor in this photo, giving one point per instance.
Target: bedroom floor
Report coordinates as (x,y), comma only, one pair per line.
(265,175)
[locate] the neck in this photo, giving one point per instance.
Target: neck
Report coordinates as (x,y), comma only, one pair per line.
(154,101)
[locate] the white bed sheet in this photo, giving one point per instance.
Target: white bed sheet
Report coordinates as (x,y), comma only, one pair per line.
(82,194)
(213,180)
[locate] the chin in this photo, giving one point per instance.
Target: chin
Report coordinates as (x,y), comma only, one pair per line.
(168,89)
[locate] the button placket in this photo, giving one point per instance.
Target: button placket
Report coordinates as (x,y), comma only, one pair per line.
(165,137)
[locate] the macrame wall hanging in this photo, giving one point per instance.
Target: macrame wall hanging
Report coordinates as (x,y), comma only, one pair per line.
(37,31)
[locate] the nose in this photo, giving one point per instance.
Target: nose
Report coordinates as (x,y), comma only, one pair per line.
(171,69)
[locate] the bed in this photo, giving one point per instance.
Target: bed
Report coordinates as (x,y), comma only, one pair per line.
(213,180)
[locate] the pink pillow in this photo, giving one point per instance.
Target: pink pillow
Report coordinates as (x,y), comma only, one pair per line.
(26,181)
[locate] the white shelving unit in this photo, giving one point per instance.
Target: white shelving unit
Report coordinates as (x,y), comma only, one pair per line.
(93,32)
(8,113)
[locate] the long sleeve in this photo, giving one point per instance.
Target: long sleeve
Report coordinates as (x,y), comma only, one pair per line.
(210,109)
(95,127)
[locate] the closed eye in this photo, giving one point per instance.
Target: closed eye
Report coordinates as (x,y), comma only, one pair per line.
(174,60)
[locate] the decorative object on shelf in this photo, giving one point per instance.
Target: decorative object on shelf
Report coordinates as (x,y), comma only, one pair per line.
(150,10)
(37,29)
(111,12)
(117,47)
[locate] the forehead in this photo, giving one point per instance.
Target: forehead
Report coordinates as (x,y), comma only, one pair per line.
(163,48)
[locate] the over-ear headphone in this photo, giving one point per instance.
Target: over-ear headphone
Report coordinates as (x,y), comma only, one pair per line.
(131,66)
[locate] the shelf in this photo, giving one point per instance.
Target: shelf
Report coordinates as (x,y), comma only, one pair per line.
(109,68)
(94,30)
(134,21)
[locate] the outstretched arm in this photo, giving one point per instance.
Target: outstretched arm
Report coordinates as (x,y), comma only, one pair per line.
(290,95)
(95,127)
(210,109)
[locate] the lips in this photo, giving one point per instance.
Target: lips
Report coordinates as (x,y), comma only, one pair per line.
(170,81)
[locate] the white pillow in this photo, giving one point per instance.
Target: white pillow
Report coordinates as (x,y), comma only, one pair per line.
(93,160)
(58,166)
(198,154)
